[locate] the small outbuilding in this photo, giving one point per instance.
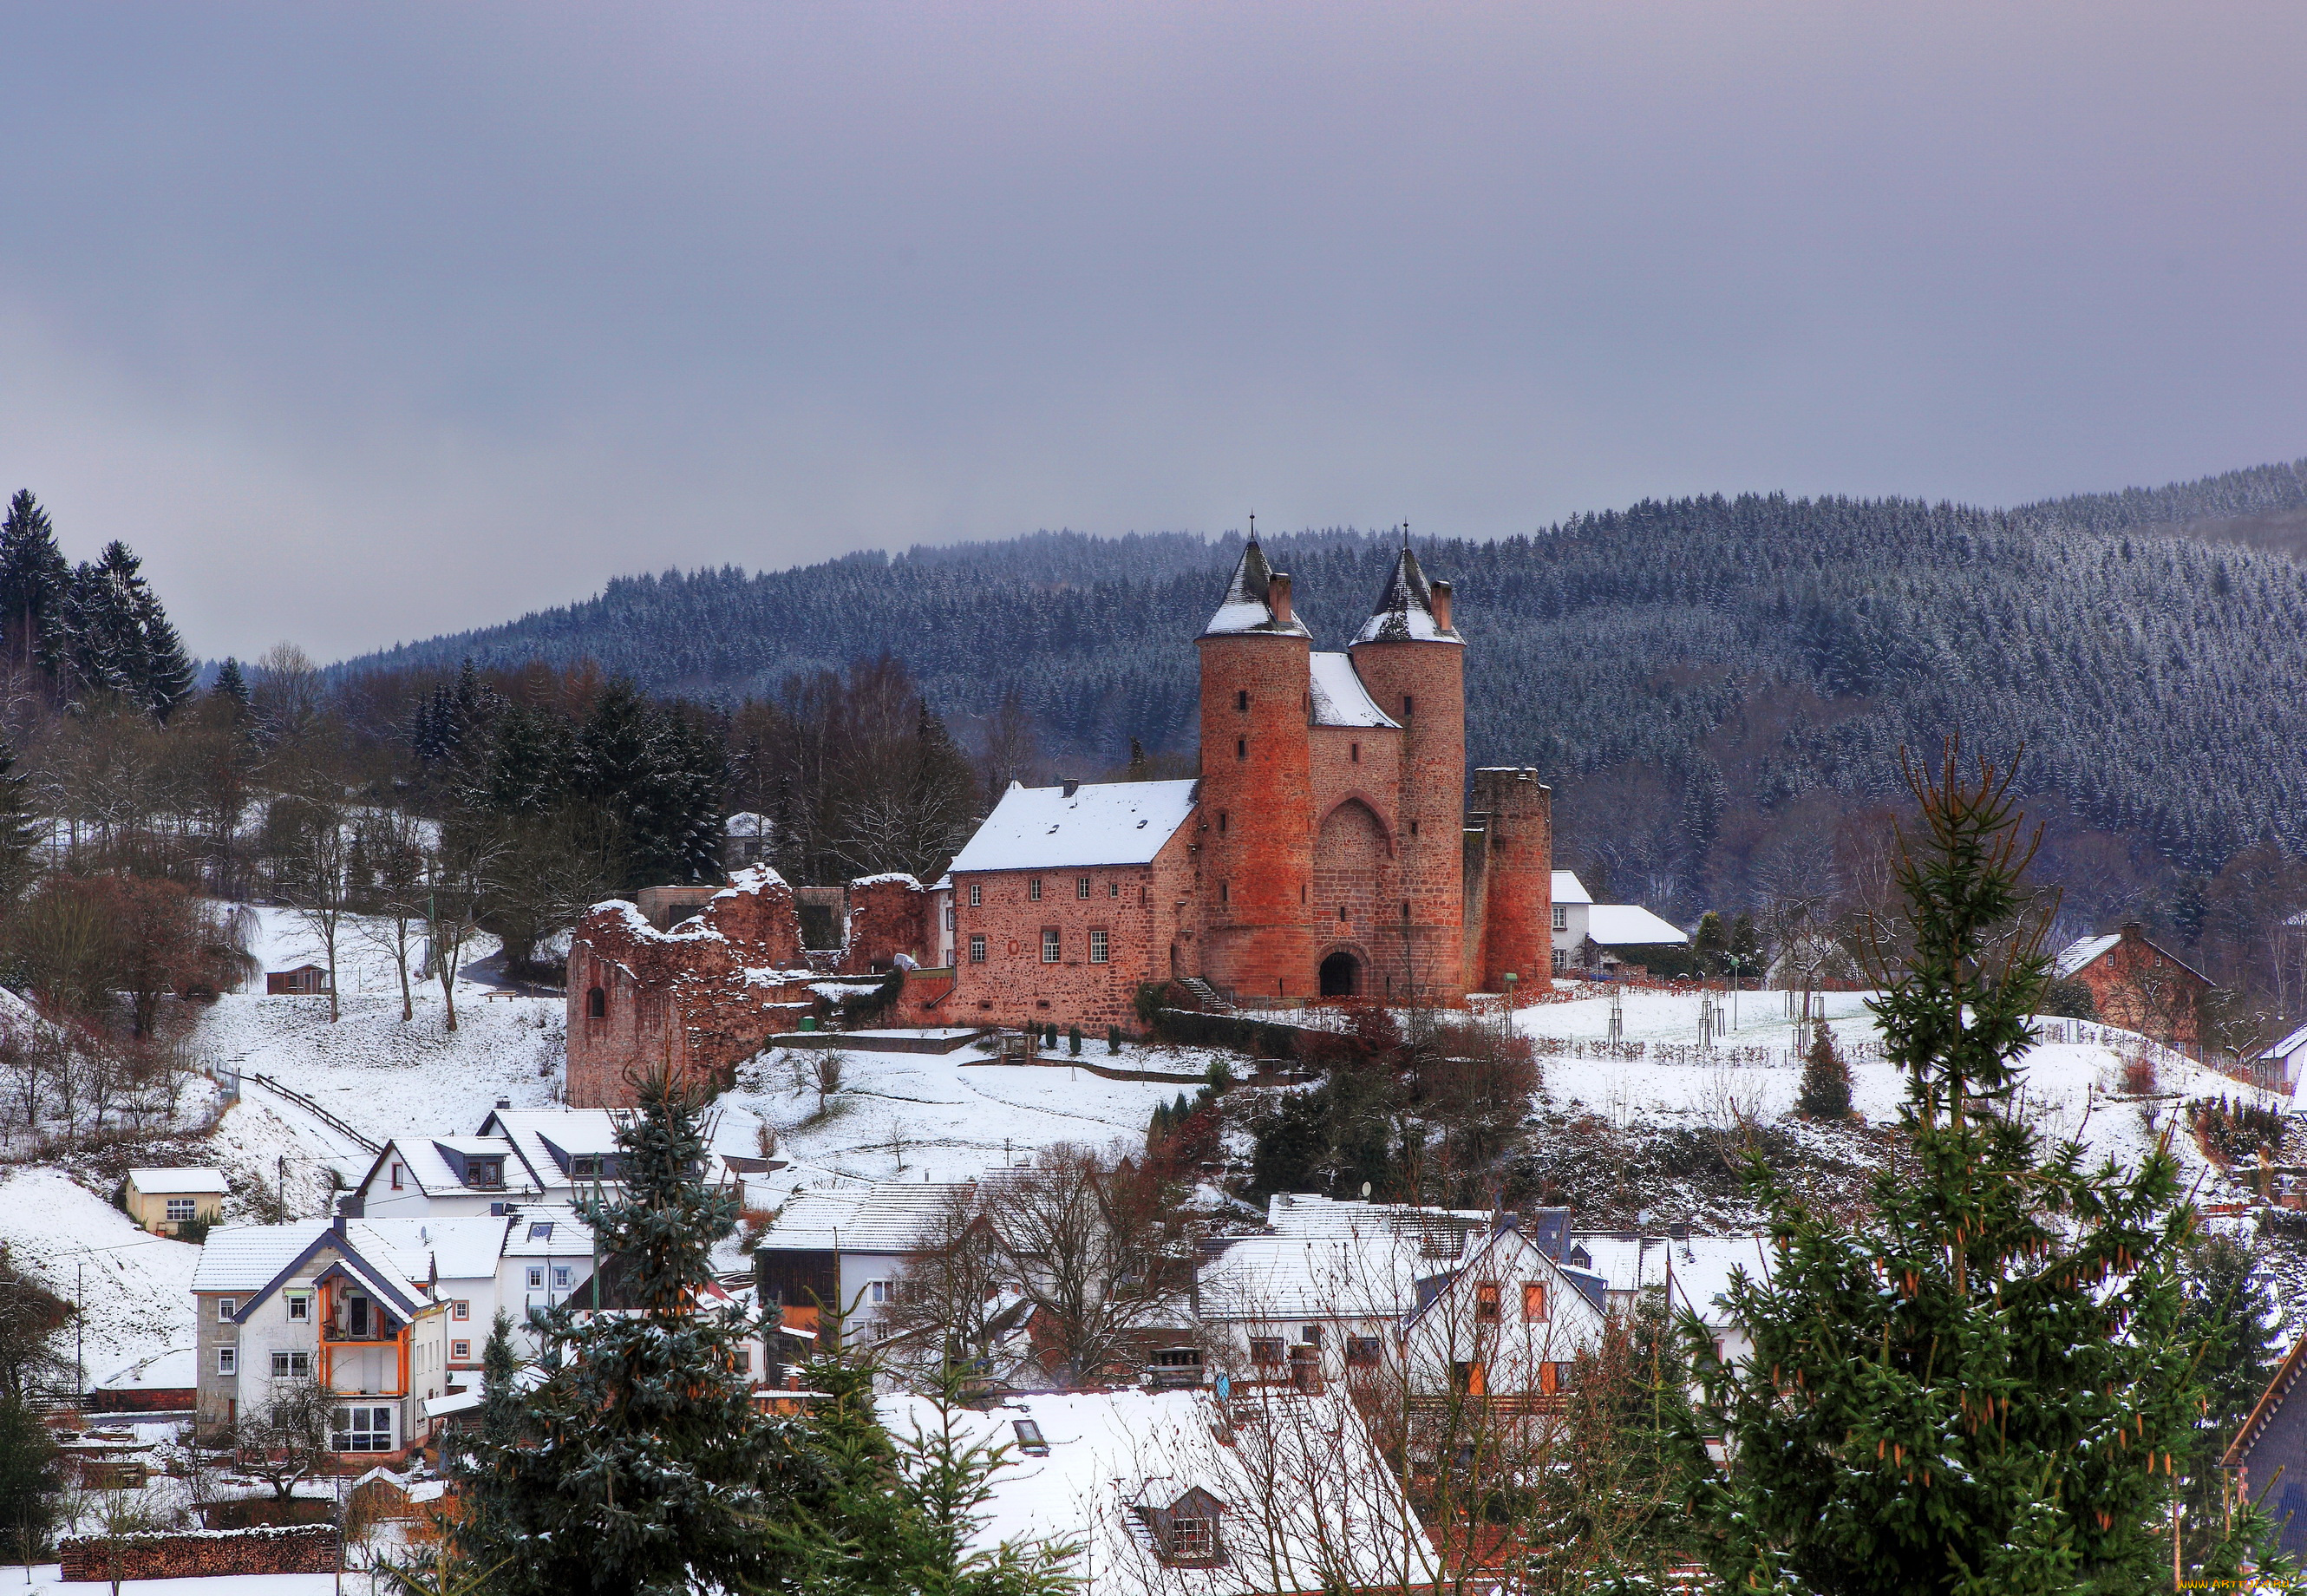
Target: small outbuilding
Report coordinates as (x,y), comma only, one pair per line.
(303,981)
(164,1201)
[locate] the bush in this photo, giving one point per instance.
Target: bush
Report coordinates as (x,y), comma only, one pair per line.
(2069,999)
(1261,1039)
(2139,1076)
(1826,1080)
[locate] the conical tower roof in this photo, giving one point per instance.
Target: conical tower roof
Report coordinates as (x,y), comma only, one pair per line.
(1405,609)
(1246,610)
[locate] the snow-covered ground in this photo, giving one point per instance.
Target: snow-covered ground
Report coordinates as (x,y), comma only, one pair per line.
(937,1117)
(136,1288)
(2069,1086)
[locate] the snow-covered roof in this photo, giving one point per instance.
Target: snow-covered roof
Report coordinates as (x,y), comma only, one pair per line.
(461,1248)
(545,1231)
(178,1182)
(1339,699)
(1628,1262)
(2078,954)
(890,1216)
(542,1137)
(422,1160)
(1119,822)
(1342,1523)
(1405,609)
(1700,1269)
(1244,608)
(1367,1275)
(1569,889)
(746,823)
(2286,1047)
(454,1401)
(1629,925)
(245,1257)
(249,1259)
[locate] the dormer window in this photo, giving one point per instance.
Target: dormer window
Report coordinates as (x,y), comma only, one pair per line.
(1185,1531)
(540,1229)
(1192,1539)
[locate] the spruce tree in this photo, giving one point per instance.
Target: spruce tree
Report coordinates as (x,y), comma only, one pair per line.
(21,825)
(231,682)
(1825,1093)
(34,579)
(641,1466)
(1982,1386)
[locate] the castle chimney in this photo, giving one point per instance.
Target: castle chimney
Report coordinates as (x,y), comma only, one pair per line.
(1440,592)
(1277,596)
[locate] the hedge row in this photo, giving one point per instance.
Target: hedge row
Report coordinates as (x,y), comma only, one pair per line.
(1260,1039)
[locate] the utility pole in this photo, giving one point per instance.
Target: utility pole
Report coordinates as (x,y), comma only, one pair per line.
(80,1323)
(280,1190)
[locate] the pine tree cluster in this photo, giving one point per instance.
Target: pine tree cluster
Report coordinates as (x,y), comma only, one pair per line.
(91,630)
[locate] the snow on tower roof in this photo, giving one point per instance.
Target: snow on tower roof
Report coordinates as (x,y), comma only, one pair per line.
(1569,889)
(1339,699)
(1116,822)
(1245,609)
(1405,609)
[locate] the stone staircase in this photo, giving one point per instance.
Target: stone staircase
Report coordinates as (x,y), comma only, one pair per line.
(1211,999)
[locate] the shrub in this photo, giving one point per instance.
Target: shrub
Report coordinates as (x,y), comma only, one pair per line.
(1826,1080)
(2069,999)
(2139,1076)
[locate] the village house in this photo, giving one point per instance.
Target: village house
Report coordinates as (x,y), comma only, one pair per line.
(518,1158)
(2139,986)
(337,1302)
(1588,935)
(166,1201)
(1183,1492)
(2268,1458)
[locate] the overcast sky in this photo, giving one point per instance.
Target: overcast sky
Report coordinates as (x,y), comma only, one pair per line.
(367,322)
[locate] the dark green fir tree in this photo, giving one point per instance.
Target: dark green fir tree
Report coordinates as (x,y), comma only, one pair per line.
(1983,1387)
(1825,1092)
(641,1464)
(231,682)
(35,579)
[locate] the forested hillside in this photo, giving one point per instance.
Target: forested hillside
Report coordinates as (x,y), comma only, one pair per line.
(2158,683)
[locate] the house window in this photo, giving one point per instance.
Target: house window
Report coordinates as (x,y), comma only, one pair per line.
(1081,885)
(1552,1377)
(1193,1539)
(949,921)
(292,1366)
(395,1176)
(1265,1349)
(1469,1379)
(1486,1302)
(1052,946)
(537,1279)
(1030,1441)
(977,948)
(182,1210)
(225,1307)
(300,1304)
(976,894)
(1561,917)
(360,1430)
(462,1309)
(541,1230)
(1362,1351)
(1241,747)
(596,1004)
(1561,958)
(1113,889)
(227,1360)
(460,1351)
(1033,890)
(878,1293)
(1097,948)
(744,1361)
(1533,1302)
(560,1277)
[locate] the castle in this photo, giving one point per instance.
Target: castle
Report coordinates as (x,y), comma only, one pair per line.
(1327,850)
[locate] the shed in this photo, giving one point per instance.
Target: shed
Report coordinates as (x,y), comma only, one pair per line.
(301,980)
(164,1201)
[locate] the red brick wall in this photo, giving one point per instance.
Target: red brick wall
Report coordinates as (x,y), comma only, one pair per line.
(1429,821)
(1137,906)
(2136,985)
(301,1548)
(1354,902)
(1517,895)
(697,998)
(1256,777)
(887,915)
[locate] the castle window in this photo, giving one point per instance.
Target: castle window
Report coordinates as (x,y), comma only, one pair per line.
(1225,892)
(1241,747)
(977,949)
(596,1004)
(1407,704)
(1033,890)
(1052,945)
(1413,829)
(1342,913)
(1241,701)
(1224,819)
(1097,948)
(1113,889)
(1354,753)
(1081,885)
(976,894)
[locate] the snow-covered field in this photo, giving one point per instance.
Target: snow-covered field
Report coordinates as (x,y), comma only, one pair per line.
(136,1288)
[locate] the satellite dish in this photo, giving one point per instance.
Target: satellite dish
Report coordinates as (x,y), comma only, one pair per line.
(1364,1191)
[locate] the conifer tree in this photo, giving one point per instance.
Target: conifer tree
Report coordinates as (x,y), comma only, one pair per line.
(641,1466)
(231,682)
(34,579)
(1825,1093)
(21,825)
(1982,1386)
